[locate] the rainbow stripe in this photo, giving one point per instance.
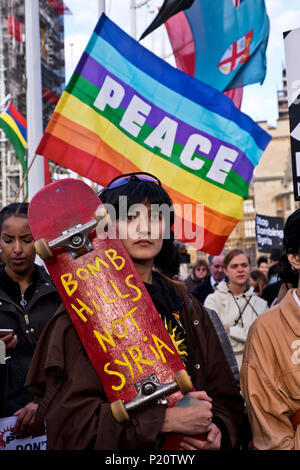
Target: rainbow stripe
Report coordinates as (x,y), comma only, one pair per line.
(15,127)
(101,141)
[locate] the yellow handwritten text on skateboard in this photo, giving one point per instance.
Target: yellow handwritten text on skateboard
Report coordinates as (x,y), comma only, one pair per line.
(131,359)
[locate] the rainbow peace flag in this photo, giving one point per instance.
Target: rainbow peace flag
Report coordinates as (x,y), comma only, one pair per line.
(124,110)
(15,128)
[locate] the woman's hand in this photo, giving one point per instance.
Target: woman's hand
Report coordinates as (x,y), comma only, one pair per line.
(193,419)
(212,441)
(25,422)
(10,341)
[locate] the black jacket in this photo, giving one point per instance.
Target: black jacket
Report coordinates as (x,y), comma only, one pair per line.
(27,323)
(203,290)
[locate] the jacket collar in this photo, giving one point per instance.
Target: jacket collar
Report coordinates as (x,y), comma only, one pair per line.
(41,278)
(291,311)
(223,287)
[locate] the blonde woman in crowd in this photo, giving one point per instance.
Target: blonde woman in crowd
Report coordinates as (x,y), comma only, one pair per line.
(235,301)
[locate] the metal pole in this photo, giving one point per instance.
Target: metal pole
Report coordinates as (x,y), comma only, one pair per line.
(34,95)
(133,18)
(3,140)
(101,7)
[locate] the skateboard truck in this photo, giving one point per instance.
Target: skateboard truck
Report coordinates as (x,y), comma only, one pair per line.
(149,390)
(75,239)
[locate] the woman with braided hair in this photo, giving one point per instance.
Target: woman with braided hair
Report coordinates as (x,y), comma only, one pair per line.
(270,373)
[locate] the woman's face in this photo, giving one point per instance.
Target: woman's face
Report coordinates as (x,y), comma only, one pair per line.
(200,272)
(142,232)
(238,270)
(17,245)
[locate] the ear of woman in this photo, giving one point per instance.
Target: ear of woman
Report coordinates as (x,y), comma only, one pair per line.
(294,261)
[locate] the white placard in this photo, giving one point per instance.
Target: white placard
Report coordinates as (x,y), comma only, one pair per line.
(10,441)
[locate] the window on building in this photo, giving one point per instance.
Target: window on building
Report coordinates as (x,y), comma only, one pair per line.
(249,228)
(248,206)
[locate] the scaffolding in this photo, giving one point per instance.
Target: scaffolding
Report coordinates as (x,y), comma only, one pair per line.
(13,81)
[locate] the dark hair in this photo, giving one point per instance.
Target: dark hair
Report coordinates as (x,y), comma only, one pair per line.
(291,239)
(167,261)
(16,209)
(291,243)
(259,276)
(201,262)
(276,254)
(231,254)
(262,259)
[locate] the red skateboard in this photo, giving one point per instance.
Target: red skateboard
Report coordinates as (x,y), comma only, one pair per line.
(112,312)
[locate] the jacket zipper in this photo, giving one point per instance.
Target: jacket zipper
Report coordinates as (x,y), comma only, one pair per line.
(25,315)
(23,302)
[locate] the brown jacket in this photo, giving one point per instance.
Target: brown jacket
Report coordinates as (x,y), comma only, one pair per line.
(77,412)
(270,376)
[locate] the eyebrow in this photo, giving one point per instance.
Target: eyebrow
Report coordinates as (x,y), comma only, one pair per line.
(239,264)
(12,236)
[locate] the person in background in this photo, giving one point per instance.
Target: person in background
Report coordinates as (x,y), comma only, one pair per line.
(270,292)
(258,281)
(28,300)
(270,373)
(235,301)
(73,404)
(200,271)
(209,284)
(263,265)
(220,330)
(274,268)
(202,267)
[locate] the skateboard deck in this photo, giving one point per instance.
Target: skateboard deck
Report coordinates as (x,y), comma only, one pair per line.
(108,303)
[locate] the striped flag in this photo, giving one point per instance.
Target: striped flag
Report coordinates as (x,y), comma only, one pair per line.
(124,110)
(15,128)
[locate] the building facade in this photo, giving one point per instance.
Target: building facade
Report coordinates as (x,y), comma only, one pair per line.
(271,191)
(13,78)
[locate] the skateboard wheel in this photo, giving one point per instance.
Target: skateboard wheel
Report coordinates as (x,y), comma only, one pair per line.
(183,381)
(42,249)
(119,411)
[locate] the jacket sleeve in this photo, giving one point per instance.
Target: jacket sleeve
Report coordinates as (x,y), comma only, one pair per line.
(219,383)
(211,302)
(267,406)
(239,333)
(73,404)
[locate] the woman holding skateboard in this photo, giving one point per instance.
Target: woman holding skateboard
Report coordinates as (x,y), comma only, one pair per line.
(27,301)
(72,400)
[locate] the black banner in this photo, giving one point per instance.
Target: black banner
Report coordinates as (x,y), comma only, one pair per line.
(269,232)
(168,9)
(291,44)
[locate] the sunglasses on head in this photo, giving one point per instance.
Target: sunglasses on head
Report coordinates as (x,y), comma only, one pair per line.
(139,176)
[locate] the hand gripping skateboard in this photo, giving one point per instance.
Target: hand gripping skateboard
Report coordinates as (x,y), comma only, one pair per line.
(112,312)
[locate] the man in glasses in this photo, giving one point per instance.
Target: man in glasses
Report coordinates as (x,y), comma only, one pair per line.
(209,284)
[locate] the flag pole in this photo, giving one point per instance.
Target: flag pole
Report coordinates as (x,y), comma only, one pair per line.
(33,96)
(133,18)
(3,101)
(24,178)
(101,7)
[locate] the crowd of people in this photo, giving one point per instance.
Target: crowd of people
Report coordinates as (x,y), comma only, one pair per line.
(238,328)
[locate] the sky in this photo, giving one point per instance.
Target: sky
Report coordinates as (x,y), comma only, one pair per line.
(259,101)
